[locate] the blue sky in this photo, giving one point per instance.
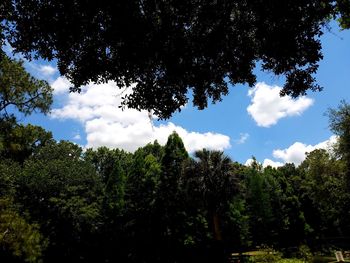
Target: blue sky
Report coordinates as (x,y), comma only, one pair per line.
(261,124)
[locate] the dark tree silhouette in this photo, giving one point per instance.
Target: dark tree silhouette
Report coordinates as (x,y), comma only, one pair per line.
(167,48)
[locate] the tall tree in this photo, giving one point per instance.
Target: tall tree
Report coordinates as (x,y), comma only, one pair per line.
(141,201)
(290,214)
(324,188)
(170,197)
(339,123)
(215,183)
(259,205)
(167,48)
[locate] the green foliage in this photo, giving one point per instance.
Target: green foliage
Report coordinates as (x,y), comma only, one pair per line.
(18,238)
(20,90)
(339,123)
(18,141)
(291,260)
(324,185)
(174,152)
(115,191)
(267,255)
(172,163)
(237,224)
(343,8)
(64,195)
(305,253)
(259,205)
(141,196)
(170,199)
(143,182)
(112,167)
(211,180)
(8,172)
(104,160)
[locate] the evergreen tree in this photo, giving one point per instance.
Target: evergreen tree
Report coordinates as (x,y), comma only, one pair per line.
(170,198)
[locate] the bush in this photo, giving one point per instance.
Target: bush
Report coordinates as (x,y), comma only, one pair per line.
(305,253)
(267,255)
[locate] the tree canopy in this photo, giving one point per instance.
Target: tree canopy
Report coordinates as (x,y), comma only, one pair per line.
(168,48)
(18,89)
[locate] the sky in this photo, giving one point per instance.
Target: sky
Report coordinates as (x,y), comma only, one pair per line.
(248,122)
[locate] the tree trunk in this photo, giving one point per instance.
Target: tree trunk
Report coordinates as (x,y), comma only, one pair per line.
(216,227)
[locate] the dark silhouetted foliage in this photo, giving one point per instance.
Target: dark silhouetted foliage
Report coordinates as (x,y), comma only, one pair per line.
(167,48)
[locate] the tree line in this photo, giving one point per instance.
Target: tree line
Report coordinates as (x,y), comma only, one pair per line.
(59,203)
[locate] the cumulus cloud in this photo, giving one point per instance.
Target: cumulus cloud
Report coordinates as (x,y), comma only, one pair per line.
(61,85)
(296,153)
(243,137)
(268,162)
(47,70)
(249,162)
(96,107)
(267,107)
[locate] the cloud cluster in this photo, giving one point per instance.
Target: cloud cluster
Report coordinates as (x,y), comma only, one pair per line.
(296,153)
(96,107)
(267,107)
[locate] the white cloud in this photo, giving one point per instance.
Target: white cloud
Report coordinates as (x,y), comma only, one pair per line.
(77,137)
(40,70)
(268,162)
(96,107)
(267,107)
(61,85)
(129,137)
(47,70)
(243,138)
(248,162)
(296,153)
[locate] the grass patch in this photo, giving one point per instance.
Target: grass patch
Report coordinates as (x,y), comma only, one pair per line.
(290,260)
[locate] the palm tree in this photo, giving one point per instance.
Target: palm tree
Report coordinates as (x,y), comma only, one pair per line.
(211,178)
